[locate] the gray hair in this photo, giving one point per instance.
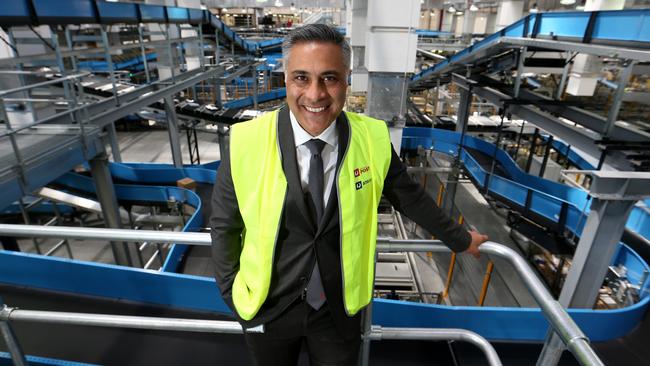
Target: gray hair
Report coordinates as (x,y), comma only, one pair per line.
(315,33)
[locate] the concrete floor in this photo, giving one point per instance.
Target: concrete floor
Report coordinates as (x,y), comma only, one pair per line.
(154,147)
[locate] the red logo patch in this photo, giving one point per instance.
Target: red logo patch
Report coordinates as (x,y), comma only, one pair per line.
(357,172)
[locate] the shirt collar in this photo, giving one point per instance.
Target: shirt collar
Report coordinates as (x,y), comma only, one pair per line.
(300,136)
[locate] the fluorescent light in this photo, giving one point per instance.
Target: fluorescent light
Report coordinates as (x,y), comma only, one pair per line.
(459,13)
(567,2)
(580,7)
(451,9)
(473,7)
(293,7)
(278,3)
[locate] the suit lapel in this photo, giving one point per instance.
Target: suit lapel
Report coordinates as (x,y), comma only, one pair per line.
(290,164)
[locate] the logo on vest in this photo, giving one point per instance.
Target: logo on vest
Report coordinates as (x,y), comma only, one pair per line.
(359,171)
(360,184)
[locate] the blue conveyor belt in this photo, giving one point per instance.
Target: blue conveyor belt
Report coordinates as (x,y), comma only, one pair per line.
(616,27)
(64,12)
(200,293)
(547,197)
(261,98)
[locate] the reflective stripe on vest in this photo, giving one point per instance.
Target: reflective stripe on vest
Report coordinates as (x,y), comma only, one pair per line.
(261,187)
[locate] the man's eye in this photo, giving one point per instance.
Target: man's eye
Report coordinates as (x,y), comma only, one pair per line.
(330,79)
(301,78)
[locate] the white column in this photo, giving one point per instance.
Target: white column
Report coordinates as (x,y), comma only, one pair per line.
(586,69)
(469,20)
(593,5)
(391,45)
(447,21)
(508,13)
(358,29)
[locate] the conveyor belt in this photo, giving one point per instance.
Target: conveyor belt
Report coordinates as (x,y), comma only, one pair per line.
(64,12)
(485,161)
(629,28)
(547,197)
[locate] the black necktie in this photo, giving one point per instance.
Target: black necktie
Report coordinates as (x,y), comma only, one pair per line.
(315,292)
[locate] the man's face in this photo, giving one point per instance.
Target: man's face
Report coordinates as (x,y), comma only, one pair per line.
(316,80)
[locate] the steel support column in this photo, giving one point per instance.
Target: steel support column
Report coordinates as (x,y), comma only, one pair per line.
(114,142)
(461,127)
(109,62)
(110,208)
(143,54)
(216,47)
(623,79)
(9,336)
(614,195)
(565,74)
(255,87)
(172,128)
(170,58)
(520,70)
(533,146)
(547,152)
(201,47)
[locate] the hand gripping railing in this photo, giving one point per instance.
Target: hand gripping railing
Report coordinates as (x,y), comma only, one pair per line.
(575,340)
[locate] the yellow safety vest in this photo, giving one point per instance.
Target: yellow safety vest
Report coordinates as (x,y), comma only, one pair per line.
(261,187)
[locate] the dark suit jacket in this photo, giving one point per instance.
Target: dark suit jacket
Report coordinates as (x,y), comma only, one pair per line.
(301,241)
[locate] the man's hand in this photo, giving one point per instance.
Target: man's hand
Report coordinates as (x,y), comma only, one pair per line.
(477,240)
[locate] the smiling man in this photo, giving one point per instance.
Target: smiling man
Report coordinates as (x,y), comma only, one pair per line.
(294,211)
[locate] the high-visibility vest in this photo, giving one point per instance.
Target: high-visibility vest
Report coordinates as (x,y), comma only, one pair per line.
(261,188)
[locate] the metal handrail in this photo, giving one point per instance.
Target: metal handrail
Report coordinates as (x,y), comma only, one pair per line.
(431,334)
(575,340)
(572,336)
(44,83)
(209,326)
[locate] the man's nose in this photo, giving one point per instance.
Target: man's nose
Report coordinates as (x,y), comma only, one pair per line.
(316,90)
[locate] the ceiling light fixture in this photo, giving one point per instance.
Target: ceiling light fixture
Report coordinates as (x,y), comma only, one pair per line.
(567,2)
(451,9)
(473,7)
(534,9)
(278,3)
(459,13)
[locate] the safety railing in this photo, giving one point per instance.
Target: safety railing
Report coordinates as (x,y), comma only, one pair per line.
(569,332)
(8,314)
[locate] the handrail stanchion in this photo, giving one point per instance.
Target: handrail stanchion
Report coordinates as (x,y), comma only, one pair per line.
(486,283)
(452,265)
(16,352)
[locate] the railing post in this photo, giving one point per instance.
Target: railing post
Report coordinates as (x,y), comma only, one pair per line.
(16,352)
(486,283)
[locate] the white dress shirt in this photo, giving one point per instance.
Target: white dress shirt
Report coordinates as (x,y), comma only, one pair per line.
(329,155)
